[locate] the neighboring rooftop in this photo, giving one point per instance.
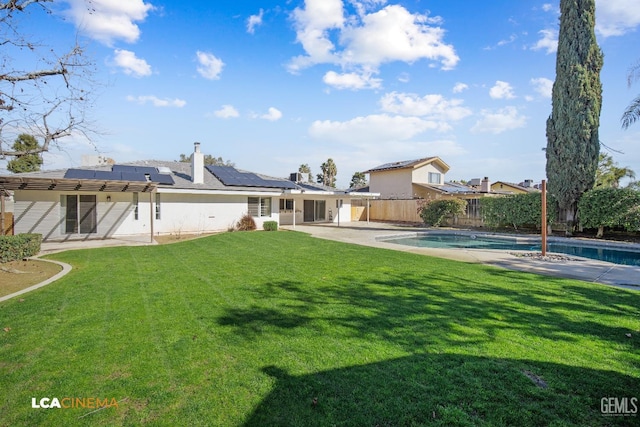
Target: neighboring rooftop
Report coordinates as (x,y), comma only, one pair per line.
(450,188)
(405,164)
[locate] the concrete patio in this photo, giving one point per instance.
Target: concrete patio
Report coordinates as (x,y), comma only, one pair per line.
(588,270)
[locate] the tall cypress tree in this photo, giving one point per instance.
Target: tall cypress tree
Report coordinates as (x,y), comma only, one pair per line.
(572,129)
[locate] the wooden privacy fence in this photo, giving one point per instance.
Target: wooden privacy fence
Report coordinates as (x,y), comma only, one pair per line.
(358,213)
(8,224)
(394,210)
(407,211)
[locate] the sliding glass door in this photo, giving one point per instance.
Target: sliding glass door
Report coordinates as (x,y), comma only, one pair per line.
(81,214)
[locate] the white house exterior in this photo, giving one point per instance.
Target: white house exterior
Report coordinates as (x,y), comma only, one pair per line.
(158,198)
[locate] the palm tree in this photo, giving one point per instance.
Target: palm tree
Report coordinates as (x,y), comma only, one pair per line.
(304,168)
(632,113)
(609,174)
(329,172)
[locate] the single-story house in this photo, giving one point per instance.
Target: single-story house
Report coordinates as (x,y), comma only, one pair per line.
(512,188)
(160,198)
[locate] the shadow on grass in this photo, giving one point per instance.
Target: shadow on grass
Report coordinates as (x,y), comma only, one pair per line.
(445,389)
(417,312)
(437,317)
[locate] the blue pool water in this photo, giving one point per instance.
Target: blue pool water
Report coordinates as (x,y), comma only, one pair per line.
(452,241)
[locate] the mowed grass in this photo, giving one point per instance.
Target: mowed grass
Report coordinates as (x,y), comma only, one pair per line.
(249,328)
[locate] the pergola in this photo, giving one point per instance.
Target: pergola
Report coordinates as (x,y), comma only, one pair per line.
(13,183)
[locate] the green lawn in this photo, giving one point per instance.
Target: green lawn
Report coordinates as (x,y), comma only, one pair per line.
(249,328)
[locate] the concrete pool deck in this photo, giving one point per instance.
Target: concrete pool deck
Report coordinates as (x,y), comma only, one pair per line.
(588,270)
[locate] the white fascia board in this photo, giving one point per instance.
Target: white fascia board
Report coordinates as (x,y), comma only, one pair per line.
(219,192)
(322,193)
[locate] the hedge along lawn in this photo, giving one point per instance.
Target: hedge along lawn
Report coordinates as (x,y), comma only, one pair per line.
(250,328)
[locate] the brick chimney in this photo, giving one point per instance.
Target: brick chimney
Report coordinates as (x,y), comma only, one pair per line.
(485,185)
(197,165)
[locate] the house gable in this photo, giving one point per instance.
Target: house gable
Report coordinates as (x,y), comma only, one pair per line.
(511,188)
(396,180)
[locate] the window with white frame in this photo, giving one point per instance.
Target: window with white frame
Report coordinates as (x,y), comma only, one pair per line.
(259,206)
(286,204)
(434,178)
(157,205)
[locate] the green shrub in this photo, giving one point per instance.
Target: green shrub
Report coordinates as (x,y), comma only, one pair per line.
(270,226)
(246,223)
(18,247)
(434,213)
(610,207)
(518,210)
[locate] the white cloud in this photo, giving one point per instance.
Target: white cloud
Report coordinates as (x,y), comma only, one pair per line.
(312,25)
(435,107)
(227,112)
(364,6)
(272,115)
(109,20)
(130,64)
(367,40)
(617,17)
(157,102)
(503,42)
(352,81)
(254,21)
(543,86)
(499,121)
(501,90)
(210,66)
(377,128)
(394,34)
(548,41)
(547,7)
(510,40)
(459,87)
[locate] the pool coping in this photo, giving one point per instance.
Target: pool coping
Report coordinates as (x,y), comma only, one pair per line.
(585,269)
(609,244)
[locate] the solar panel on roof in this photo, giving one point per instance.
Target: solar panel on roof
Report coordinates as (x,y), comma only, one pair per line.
(272,183)
(232,177)
(126,175)
(161,178)
(135,169)
(79,174)
(107,175)
(132,176)
(394,165)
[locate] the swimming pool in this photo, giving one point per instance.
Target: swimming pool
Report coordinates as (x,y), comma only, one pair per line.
(598,251)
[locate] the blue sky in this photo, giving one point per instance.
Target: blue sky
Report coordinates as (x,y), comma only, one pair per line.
(270,85)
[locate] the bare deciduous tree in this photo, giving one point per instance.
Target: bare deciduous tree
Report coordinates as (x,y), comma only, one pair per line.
(42,92)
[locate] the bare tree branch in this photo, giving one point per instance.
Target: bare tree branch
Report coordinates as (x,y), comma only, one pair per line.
(49,99)
(18,5)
